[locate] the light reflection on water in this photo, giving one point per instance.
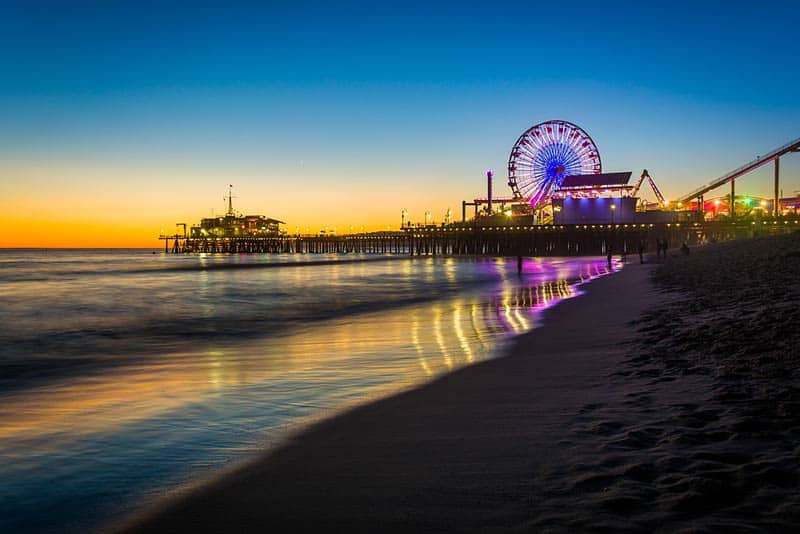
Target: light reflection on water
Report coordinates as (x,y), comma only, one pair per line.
(90,444)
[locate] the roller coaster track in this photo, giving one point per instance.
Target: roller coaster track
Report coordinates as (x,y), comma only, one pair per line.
(793,146)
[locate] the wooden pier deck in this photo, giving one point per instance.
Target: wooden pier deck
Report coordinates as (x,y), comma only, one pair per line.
(478,240)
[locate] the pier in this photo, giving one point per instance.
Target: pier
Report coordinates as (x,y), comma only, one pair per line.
(479,240)
(568,207)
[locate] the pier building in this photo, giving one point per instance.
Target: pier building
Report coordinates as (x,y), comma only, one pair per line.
(232,225)
(246,232)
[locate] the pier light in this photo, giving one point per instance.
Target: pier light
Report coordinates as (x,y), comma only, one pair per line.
(763,203)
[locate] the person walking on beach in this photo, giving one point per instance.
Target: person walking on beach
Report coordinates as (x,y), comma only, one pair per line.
(608,255)
(641,250)
(658,248)
(519,265)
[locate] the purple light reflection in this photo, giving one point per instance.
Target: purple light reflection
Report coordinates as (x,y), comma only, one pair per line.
(544,282)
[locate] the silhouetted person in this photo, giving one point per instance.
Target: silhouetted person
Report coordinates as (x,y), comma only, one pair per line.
(685,249)
(609,257)
(519,265)
(641,250)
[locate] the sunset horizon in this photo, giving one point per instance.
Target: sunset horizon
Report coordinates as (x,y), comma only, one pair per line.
(144,117)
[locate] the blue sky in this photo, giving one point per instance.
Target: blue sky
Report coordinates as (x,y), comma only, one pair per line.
(399,103)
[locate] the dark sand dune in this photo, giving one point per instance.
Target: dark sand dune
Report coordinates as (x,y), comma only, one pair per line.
(637,407)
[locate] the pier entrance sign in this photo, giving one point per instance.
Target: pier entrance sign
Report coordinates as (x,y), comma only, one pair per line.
(546,153)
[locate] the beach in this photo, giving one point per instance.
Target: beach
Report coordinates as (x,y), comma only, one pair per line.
(648,403)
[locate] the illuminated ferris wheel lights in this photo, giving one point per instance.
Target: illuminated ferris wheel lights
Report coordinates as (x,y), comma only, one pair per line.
(545,154)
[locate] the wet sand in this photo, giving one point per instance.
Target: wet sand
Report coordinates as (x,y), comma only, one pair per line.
(623,413)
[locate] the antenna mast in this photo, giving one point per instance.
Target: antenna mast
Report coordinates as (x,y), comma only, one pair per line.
(230,199)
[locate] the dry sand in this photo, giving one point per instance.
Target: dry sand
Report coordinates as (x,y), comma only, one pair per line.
(614,416)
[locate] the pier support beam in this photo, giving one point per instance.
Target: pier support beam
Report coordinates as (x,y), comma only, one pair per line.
(776,207)
(732,203)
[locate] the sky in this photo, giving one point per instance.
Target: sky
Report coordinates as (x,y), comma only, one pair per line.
(118,120)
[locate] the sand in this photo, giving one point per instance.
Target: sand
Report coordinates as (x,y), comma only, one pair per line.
(614,416)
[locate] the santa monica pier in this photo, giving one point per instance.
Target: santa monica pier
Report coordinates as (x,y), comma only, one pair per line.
(559,202)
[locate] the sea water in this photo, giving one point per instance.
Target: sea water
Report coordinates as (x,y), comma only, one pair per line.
(126,374)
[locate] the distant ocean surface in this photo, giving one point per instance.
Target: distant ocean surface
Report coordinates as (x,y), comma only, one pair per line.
(126,374)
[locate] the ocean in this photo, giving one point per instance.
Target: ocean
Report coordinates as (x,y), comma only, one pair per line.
(126,375)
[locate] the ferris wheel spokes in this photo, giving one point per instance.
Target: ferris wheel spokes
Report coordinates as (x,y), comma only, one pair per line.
(546,153)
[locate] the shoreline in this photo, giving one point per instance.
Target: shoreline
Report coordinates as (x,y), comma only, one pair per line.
(368,466)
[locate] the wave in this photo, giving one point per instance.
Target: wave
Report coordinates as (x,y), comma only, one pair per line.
(26,271)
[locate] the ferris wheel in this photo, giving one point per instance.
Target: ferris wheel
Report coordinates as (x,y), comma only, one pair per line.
(545,154)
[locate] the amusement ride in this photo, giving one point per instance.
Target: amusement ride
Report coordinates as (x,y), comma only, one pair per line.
(544,155)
